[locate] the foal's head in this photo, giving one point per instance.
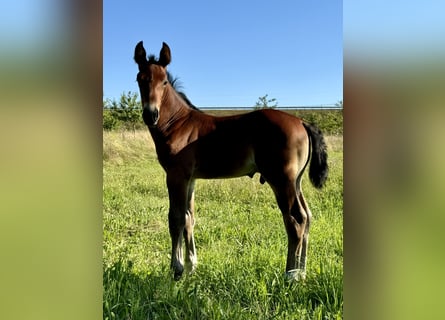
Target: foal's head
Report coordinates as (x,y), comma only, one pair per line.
(152,80)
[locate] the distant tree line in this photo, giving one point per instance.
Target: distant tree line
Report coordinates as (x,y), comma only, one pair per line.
(125,114)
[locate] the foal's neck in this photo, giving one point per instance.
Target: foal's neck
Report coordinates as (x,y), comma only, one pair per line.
(173,109)
(169,135)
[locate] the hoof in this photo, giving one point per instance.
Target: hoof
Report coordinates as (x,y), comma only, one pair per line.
(295,275)
(190,268)
(177,272)
(177,275)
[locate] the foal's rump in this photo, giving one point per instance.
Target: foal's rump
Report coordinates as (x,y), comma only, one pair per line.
(282,147)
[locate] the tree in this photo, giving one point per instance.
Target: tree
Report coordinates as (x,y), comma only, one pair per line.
(126,111)
(339,104)
(264,103)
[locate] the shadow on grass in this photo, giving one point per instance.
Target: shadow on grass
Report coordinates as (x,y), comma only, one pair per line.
(227,293)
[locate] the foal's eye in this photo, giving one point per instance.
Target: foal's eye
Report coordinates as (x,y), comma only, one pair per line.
(165,82)
(143,79)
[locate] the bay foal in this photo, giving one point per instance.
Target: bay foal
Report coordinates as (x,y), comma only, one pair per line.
(191,145)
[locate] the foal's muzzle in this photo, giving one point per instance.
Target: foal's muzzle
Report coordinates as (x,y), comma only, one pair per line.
(150,116)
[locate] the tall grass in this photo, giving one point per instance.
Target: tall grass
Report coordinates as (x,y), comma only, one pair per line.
(240,239)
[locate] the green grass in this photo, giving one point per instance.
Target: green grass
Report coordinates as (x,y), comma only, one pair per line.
(240,238)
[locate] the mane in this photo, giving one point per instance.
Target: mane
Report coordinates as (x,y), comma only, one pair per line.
(175,83)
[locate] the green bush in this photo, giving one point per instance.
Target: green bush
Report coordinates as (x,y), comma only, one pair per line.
(109,121)
(124,113)
(329,121)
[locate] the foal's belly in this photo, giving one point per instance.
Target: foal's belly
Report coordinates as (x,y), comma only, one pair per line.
(230,164)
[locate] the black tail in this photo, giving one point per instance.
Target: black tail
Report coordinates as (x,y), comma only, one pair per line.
(318,169)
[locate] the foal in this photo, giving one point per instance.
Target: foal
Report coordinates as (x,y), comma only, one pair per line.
(191,145)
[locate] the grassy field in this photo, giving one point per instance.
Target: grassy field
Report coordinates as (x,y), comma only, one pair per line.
(240,239)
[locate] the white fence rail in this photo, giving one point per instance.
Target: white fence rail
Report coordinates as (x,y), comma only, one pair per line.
(322,107)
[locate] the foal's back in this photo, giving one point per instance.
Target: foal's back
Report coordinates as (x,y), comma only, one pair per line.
(249,143)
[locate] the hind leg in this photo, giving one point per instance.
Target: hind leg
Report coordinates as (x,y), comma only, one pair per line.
(296,223)
(306,232)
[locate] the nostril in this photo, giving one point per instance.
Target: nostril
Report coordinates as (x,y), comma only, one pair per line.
(155,115)
(150,117)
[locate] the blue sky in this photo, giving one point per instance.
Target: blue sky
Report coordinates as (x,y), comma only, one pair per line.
(394,29)
(229,53)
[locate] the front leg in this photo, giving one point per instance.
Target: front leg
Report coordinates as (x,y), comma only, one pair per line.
(177,190)
(190,255)
(176,227)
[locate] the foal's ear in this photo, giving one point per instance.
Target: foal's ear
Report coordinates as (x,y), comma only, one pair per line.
(165,55)
(140,56)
